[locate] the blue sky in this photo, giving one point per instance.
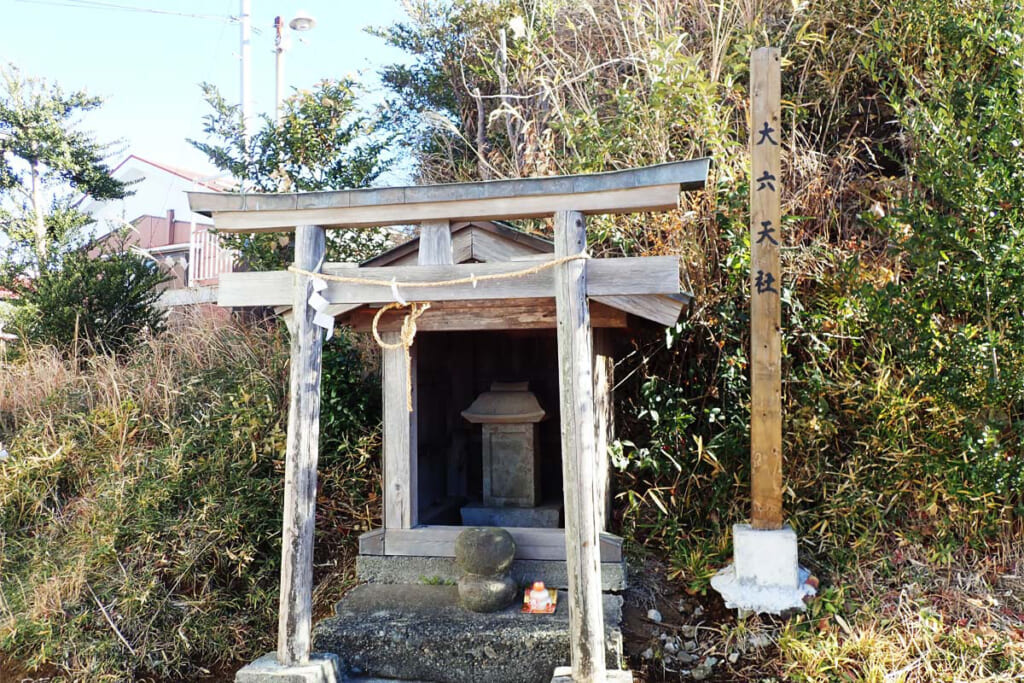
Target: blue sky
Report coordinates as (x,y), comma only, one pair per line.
(148,66)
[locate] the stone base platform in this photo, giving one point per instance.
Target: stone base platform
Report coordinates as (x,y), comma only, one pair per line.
(563,674)
(422,570)
(764,576)
(322,668)
(420,633)
(547,516)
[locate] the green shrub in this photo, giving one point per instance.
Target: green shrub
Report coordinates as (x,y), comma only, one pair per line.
(100,303)
(323,141)
(954,304)
(902,334)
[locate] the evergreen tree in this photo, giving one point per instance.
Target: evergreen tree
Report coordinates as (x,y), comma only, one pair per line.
(323,142)
(44,159)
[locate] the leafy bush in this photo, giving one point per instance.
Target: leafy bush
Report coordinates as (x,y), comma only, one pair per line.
(902,334)
(955,298)
(101,303)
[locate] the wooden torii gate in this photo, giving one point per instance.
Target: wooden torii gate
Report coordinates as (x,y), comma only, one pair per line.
(570,281)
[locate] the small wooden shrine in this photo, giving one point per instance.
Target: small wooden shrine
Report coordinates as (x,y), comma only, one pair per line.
(508,312)
(465,469)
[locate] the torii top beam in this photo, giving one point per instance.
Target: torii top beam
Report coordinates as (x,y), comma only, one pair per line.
(651,188)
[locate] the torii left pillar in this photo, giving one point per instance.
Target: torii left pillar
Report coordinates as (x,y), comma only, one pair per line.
(293,661)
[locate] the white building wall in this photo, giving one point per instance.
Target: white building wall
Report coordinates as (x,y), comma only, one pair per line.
(156,191)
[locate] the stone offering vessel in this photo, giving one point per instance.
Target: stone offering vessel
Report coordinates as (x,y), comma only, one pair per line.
(485,555)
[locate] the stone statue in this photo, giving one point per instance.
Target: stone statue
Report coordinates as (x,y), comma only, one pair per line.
(485,555)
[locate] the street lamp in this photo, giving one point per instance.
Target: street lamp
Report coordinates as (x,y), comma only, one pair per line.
(301,22)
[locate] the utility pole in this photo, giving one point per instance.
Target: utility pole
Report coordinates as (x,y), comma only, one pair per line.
(282,41)
(280,45)
(245,51)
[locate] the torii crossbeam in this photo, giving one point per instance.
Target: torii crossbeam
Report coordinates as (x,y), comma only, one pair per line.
(569,282)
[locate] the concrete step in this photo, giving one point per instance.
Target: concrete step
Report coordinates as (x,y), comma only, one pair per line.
(419,633)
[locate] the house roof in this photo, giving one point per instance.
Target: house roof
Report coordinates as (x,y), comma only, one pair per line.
(462,240)
(202,179)
(133,227)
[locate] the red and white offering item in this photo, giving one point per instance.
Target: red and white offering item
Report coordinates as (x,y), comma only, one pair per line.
(539,600)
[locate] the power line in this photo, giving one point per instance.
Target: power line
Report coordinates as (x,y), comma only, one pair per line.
(98,4)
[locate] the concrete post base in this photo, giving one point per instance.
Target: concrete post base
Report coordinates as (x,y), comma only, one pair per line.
(322,668)
(563,674)
(765,576)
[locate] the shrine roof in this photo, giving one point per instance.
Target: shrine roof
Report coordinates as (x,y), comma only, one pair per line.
(468,246)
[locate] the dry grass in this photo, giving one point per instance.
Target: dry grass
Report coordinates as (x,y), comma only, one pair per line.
(33,375)
(918,623)
(140,505)
(898,620)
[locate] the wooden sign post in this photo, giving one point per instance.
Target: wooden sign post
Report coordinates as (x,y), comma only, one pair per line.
(765,291)
(765,574)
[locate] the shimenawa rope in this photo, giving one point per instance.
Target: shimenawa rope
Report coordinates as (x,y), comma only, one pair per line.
(416,309)
(468,280)
(406,336)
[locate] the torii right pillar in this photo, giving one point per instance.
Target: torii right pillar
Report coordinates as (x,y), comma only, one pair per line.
(765,575)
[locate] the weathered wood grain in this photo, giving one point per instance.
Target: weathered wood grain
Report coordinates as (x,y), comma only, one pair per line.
(531,543)
(605,277)
(400,442)
(492,246)
(463,235)
(652,188)
(655,198)
(604,415)
(462,251)
(372,542)
(334,310)
(296,603)
(580,461)
(435,243)
(497,314)
(462,246)
(765,290)
(660,309)
(401,445)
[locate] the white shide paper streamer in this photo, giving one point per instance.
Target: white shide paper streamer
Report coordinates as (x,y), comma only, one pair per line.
(319,305)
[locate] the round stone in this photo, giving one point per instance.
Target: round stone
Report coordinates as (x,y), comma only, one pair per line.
(486,594)
(484,551)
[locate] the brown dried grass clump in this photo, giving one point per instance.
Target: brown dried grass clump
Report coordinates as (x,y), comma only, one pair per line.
(140,502)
